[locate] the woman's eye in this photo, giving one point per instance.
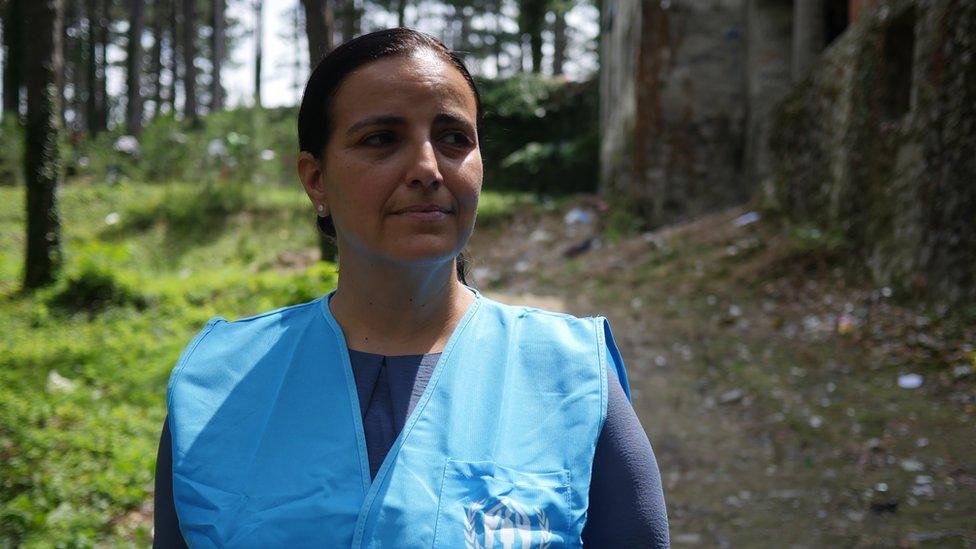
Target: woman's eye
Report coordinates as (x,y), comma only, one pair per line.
(458,139)
(379,139)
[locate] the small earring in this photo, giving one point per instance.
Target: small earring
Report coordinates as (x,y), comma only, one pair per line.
(320,208)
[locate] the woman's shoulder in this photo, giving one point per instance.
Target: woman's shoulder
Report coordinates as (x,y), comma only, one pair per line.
(264,320)
(539,313)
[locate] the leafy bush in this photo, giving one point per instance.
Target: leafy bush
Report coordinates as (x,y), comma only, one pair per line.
(540,134)
(95,282)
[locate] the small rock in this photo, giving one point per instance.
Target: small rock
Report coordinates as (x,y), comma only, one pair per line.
(732,396)
(686,539)
(912,465)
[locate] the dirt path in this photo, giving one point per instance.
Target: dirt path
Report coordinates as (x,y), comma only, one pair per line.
(770,395)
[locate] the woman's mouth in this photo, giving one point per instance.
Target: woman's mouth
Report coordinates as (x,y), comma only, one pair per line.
(424,212)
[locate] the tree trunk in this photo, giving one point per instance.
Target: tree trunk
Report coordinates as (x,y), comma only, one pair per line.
(464,40)
(559,42)
(532,17)
(101,64)
(175,54)
(189,68)
(13,66)
(217,46)
(258,37)
(401,13)
(41,156)
(349,17)
(318,29)
(133,68)
(156,56)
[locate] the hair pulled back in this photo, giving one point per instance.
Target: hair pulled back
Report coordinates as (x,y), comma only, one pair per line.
(315,115)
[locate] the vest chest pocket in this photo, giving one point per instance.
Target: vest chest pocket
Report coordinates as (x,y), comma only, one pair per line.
(484,505)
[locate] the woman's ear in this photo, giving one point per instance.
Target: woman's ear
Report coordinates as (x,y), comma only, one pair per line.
(311,174)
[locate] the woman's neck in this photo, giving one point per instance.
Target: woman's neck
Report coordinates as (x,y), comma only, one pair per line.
(394,310)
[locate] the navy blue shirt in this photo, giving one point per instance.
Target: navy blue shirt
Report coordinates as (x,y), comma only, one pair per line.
(626,499)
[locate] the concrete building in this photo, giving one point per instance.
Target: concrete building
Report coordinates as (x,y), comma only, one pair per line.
(686,91)
(853,117)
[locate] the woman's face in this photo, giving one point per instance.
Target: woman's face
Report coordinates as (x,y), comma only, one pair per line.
(402,172)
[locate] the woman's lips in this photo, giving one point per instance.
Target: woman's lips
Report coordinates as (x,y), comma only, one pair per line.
(427,212)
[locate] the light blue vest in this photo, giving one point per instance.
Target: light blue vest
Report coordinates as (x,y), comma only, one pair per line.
(268,445)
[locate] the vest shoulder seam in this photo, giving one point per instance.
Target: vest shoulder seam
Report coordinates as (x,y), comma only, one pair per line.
(279,310)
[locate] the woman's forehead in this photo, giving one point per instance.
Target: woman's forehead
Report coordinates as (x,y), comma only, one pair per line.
(403,81)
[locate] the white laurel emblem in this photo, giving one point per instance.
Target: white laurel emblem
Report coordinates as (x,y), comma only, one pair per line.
(505,522)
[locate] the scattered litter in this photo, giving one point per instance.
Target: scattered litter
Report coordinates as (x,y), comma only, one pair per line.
(577,216)
(923,479)
(885,507)
(521,266)
(910,381)
(912,465)
(56,383)
(816,422)
(112,218)
(660,361)
(127,144)
(582,247)
(746,219)
(731,396)
(845,324)
(216,148)
(735,310)
(923,490)
(922,442)
(267,155)
(484,274)
(919,537)
(540,235)
(881,487)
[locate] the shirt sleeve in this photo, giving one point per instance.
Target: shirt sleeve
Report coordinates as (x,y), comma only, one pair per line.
(166,525)
(626,498)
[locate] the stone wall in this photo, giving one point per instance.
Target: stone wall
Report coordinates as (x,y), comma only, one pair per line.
(877,145)
(673,105)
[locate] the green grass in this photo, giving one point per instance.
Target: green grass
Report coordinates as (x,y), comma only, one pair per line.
(145,267)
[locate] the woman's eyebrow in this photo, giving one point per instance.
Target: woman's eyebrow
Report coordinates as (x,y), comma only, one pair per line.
(450,118)
(389,120)
(382,120)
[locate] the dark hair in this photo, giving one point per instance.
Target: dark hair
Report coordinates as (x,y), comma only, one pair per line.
(315,116)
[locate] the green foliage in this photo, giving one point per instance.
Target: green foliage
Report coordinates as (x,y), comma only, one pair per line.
(82,394)
(237,145)
(540,134)
(95,283)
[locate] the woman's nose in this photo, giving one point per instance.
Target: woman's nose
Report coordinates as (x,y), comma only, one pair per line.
(423,168)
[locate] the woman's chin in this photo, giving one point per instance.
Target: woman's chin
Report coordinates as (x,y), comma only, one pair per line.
(428,249)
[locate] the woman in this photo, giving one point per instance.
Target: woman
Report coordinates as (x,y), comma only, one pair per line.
(403,409)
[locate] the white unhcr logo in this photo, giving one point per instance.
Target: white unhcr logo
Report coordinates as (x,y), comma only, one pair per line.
(508,523)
